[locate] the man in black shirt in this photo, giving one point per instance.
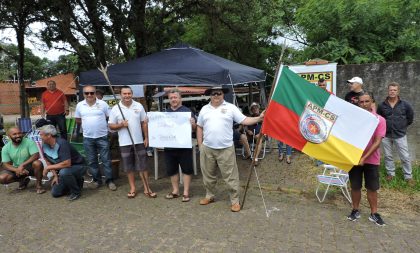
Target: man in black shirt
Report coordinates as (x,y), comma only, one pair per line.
(66,164)
(355,90)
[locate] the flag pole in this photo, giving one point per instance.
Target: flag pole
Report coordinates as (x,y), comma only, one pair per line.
(104,71)
(259,139)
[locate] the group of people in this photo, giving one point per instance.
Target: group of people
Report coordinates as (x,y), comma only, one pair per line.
(67,167)
(394,116)
(215,137)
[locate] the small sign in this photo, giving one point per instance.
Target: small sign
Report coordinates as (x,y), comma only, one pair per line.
(169,129)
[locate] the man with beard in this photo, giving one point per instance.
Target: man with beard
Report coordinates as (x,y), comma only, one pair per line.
(20,160)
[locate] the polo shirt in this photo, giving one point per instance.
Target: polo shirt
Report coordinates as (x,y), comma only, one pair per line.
(135,114)
(18,154)
(93,118)
(61,152)
(53,102)
(380,131)
(217,124)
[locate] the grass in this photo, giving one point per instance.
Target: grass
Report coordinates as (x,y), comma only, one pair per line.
(398,183)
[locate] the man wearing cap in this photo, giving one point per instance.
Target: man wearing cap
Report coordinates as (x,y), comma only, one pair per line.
(92,114)
(215,140)
(355,90)
(399,115)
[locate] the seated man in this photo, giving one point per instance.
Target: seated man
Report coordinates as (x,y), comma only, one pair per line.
(240,138)
(66,164)
(20,160)
(253,131)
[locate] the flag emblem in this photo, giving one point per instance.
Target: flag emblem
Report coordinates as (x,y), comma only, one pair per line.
(315,123)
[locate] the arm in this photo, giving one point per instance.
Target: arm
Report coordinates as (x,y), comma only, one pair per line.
(66,105)
(193,124)
(253,120)
(20,170)
(78,121)
(145,130)
(118,126)
(376,143)
(199,135)
(410,114)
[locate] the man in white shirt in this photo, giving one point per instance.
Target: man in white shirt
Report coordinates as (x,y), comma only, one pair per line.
(92,114)
(215,140)
(132,147)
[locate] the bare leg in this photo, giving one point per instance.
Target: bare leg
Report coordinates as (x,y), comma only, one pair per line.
(187,182)
(372,197)
(244,141)
(355,198)
(131,181)
(175,184)
(6,179)
(144,175)
(37,166)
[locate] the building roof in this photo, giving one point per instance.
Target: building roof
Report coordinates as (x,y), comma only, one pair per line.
(65,82)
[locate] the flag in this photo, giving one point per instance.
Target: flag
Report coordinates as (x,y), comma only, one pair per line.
(317,123)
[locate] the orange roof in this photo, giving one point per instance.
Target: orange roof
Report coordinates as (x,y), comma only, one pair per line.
(65,83)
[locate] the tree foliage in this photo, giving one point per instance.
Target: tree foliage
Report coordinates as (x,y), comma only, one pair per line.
(360,31)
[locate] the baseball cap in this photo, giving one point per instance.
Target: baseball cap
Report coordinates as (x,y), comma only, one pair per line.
(355,79)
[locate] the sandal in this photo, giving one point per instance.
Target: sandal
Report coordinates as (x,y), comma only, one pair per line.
(185,198)
(281,157)
(171,196)
(131,195)
(40,190)
(151,195)
(24,183)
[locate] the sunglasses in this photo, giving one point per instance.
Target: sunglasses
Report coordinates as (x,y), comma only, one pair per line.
(217,93)
(89,93)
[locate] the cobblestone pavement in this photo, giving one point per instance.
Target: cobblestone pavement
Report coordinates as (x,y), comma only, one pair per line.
(105,221)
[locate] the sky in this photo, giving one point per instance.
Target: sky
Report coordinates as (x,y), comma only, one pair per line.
(31,42)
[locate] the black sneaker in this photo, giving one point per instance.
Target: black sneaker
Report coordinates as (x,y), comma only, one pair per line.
(377,219)
(73,196)
(355,214)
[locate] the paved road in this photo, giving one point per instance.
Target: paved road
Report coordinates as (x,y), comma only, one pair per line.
(105,221)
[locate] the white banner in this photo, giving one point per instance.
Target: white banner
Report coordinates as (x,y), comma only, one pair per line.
(169,129)
(312,73)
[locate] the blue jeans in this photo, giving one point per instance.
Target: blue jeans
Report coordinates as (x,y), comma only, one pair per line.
(93,147)
(288,148)
(60,121)
(70,180)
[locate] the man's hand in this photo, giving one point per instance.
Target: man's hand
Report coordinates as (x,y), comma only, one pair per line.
(67,112)
(45,171)
(124,123)
(54,180)
(146,142)
(362,161)
(262,115)
(20,171)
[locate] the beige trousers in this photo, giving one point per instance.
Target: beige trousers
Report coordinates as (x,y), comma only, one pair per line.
(225,159)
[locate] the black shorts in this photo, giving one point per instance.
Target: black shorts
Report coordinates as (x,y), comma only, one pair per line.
(371,175)
(179,157)
(27,167)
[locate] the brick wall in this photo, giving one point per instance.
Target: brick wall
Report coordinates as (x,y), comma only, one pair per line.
(9,98)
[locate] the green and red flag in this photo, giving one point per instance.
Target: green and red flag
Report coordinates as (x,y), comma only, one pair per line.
(316,122)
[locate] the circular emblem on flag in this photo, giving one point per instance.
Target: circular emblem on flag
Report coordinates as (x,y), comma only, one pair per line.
(313,128)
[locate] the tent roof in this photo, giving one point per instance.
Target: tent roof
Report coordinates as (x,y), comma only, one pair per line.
(180,65)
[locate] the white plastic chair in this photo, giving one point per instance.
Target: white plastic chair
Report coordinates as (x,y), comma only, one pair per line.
(333,176)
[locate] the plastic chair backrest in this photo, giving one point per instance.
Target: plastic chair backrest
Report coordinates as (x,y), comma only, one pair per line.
(24,124)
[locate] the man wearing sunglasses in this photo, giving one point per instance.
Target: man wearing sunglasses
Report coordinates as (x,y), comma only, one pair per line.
(215,140)
(92,114)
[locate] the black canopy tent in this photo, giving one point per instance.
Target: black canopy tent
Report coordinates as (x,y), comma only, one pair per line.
(179,65)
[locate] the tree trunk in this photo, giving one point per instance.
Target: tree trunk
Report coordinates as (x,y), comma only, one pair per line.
(20,36)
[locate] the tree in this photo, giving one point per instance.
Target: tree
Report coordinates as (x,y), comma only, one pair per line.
(18,15)
(359,31)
